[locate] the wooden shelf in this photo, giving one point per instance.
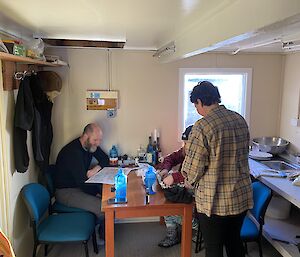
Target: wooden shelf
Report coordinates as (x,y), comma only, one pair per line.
(24,60)
(13,63)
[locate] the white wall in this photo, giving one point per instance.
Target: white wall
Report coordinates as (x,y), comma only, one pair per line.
(149,95)
(21,235)
(291,101)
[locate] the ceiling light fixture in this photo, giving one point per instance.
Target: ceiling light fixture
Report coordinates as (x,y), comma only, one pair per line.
(165,50)
(291,45)
(254,45)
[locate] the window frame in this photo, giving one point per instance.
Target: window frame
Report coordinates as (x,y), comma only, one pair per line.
(247,75)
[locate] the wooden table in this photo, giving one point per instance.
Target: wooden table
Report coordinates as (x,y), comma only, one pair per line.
(137,207)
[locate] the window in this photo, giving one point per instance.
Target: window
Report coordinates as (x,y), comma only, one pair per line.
(234,86)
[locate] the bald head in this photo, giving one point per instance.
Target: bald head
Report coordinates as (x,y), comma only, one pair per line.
(91,137)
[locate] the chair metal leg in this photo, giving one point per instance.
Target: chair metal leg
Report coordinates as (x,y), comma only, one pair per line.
(200,243)
(246,248)
(260,248)
(46,249)
(198,240)
(95,243)
(34,249)
(86,248)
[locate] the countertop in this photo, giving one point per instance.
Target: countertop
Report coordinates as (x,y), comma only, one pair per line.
(282,186)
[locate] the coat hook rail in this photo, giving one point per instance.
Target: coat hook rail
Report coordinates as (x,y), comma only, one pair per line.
(22,74)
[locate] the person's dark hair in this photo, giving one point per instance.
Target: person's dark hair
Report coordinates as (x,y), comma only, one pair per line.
(206,92)
(89,128)
(186,133)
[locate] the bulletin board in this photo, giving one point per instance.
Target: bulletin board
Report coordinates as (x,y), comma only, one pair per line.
(101,99)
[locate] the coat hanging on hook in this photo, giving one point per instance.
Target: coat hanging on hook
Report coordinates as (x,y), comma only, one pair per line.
(32,113)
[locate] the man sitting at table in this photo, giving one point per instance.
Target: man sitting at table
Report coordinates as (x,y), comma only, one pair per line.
(76,162)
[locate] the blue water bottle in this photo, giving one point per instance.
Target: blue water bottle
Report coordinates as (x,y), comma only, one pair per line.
(150,179)
(121,186)
(113,156)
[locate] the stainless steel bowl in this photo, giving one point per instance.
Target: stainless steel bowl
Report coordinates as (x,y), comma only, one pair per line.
(273,145)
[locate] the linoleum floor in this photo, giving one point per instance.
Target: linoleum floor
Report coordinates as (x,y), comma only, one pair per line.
(140,240)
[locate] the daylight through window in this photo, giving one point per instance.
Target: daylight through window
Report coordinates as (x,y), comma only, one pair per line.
(234,86)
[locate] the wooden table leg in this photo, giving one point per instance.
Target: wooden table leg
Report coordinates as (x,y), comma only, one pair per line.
(186,235)
(109,234)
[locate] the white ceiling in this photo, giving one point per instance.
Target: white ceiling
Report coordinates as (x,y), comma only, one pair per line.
(142,24)
(196,26)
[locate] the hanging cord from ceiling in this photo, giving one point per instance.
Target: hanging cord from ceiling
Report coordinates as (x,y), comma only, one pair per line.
(109,69)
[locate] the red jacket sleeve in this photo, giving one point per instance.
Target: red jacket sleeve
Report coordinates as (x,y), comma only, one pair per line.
(172,160)
(178,178)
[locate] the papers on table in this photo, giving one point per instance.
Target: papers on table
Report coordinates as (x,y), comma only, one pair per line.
(107,175)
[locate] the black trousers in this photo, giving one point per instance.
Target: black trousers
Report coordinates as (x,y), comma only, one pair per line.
(219,231)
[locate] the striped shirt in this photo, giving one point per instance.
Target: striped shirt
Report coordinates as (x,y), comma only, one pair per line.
(216,163)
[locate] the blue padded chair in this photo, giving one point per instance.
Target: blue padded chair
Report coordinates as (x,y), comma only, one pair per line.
(252,227)
(56,228)
(57,207)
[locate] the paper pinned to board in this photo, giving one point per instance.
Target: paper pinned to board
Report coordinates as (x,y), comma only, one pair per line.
(107,175)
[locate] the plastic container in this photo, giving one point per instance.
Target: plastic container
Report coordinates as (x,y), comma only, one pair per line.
(279,208)
(141,153)
(120,185)
(150,181)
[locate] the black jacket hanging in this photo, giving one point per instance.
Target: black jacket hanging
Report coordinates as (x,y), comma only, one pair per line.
(23,120)
(42,133)
(32,112)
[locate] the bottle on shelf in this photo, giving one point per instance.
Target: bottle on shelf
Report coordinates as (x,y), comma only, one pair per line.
(149,153)
(150,181)
(154,153)
(149,143)
(159,152)
(113,156)
(120,186)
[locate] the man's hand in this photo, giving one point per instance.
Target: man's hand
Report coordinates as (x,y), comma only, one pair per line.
(168,180)
(93,171)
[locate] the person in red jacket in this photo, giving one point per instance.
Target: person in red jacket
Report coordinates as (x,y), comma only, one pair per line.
(171,177)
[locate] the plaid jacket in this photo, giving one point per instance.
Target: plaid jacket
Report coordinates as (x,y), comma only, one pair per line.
(216,163)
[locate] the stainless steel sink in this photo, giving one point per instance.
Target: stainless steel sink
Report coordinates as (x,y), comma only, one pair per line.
(280,165)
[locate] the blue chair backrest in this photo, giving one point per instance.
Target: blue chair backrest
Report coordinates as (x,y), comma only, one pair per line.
(50,173)
(261,198)
(37,200)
